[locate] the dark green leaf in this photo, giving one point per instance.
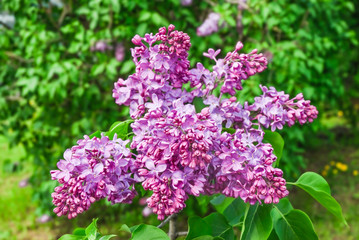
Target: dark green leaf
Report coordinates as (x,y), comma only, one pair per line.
(294,225)
(273,236)
(284,206)
(277,142)
(257,222)
(208,237)
(235,212)
(319,189)
(198,104)
(148,232)
(221,202)
(197,227)
(133,228)
(220,226)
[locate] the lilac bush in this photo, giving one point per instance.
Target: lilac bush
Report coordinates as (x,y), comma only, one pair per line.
(179,147)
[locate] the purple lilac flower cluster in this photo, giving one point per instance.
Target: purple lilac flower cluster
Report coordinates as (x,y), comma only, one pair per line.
(181,151)
(174,152)
(95,168)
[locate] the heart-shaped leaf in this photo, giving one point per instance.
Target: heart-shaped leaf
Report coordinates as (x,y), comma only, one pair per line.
(197,227)
(257,222)
(294,225)
(148,232)
(220,226)
(319,189)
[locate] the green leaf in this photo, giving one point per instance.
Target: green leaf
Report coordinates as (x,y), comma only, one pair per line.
(277,142)
(144,16)
(284,206)
(294,225)
(98,69)
(257,222)
(127,67)
(133,228)
(229,130)
(221,202)
(71,237)
(197,227)
(107,237)
(79,232)
(96,134)
(148,232)
(273,236)
(198,104)
(115,4)
(121,128)
(235,212)
(319,189)
(220,226)
(208,237)
(125,228)
(314,181)
(91,230)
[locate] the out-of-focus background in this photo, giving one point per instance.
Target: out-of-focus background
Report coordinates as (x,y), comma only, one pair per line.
(60,58)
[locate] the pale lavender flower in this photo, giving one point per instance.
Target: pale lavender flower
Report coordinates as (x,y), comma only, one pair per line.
(119,52)
(24,183)
(210,25)
(100,46)
(44,218)
(186,2)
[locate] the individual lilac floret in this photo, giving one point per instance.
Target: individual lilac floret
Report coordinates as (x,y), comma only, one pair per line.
(210,25)
(95,168)
(275,109)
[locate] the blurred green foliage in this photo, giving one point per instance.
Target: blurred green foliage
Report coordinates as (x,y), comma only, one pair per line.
(54,89)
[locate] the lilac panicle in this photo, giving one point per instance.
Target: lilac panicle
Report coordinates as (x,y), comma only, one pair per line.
(93,169)
(181,151)
(161,69)
(274,109)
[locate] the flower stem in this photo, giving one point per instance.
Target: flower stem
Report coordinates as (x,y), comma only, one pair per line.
(172,229)
(166,220)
